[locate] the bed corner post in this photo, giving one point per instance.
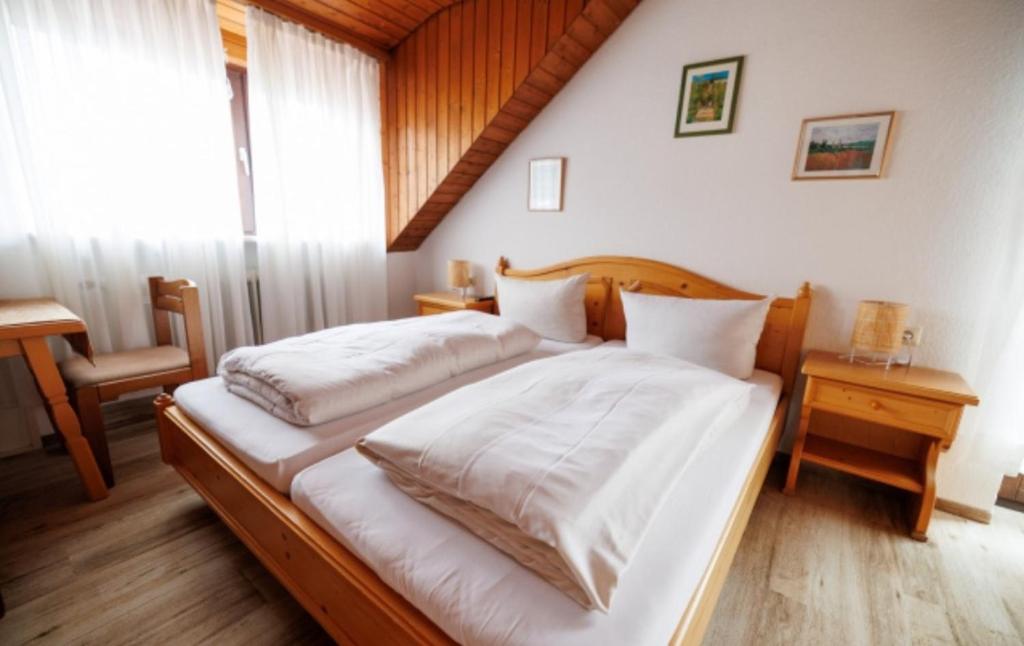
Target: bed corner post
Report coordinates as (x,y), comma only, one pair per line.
(160,404)
(805,291)
(502,266)
(795,342)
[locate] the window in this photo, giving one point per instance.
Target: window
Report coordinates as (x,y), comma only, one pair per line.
(240,125)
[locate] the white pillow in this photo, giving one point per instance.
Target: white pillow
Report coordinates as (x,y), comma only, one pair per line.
(721,335)
(552,308)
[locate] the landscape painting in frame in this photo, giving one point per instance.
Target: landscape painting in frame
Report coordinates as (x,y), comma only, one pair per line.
(846,146)
(707,97)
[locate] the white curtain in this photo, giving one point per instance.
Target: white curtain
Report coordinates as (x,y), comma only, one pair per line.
(317,178)
(1001,416)
(117,163)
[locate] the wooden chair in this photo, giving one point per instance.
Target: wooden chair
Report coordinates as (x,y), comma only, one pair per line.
(117,373)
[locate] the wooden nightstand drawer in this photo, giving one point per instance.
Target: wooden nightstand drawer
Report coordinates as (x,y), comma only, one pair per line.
(923,416)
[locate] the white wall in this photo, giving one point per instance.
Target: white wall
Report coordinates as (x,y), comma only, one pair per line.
(402,283)
(927,234)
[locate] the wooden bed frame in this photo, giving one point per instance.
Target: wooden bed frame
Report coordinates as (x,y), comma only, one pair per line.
(346,596)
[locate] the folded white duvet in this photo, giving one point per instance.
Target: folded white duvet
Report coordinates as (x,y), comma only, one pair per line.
(317,377)
(562,463)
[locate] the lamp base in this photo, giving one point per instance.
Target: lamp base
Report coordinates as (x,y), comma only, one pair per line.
(872,359)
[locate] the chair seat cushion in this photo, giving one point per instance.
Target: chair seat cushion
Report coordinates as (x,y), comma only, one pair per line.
(116,366)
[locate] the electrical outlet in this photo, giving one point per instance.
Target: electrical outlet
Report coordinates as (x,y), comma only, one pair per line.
(912,336)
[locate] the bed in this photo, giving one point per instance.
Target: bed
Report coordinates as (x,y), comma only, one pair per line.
(355,605)
(360,507)
(276,450)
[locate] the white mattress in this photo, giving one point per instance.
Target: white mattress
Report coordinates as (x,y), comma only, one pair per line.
(276,450)
(480,596)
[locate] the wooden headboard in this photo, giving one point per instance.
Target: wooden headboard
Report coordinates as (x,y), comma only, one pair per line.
(778,350)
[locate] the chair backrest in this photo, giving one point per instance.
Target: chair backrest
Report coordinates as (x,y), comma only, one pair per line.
(181,297)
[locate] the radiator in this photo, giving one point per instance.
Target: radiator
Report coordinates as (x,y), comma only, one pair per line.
(252,284)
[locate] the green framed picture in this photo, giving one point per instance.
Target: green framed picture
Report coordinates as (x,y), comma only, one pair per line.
(707,97)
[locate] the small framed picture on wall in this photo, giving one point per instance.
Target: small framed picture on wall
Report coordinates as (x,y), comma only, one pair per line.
(843,147)
(547,181)
(707,97)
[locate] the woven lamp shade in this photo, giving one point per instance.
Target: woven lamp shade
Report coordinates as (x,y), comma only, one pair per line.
(458,274)
(879,326)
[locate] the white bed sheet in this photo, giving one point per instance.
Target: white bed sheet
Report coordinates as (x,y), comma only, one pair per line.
(480,596)
(277,450)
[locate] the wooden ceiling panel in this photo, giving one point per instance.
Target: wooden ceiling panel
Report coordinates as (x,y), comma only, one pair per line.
(384,11)
(352,17)
(231,14)
(464,85)
(375,26)
(414,11)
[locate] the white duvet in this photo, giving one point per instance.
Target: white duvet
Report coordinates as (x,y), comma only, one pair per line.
(561,463)
(317,377)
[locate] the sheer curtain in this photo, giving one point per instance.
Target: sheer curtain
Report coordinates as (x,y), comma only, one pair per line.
(317,178)
(117,163)
(1001,415)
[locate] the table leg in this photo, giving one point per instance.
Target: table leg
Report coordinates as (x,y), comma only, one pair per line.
(51,387)
(798,449)
(90,418)
(926,503)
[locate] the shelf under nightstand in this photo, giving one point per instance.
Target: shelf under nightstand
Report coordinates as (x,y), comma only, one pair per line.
(900,472)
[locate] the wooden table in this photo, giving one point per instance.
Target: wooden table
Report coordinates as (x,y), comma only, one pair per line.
(24,326)
(884,425)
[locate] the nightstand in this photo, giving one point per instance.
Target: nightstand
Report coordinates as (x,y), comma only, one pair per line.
(440,302)
(884,425)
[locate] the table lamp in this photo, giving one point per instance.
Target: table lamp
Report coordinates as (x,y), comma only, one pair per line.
(458,276)
(878,329)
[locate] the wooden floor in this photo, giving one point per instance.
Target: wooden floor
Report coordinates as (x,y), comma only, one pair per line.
(149,565)
(152,564)
(834,565)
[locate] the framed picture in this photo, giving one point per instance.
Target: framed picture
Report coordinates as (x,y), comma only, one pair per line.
(846,146)
(547,178)
(707,97)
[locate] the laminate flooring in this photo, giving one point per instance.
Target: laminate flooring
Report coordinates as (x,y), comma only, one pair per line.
(153,564)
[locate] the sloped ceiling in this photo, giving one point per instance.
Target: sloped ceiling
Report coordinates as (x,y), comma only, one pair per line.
(375,26)
(460,89)
(460,81)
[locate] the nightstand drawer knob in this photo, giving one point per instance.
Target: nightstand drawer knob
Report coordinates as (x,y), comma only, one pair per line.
(875,405)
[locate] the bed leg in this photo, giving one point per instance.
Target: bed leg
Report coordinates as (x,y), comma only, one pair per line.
(163,427)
